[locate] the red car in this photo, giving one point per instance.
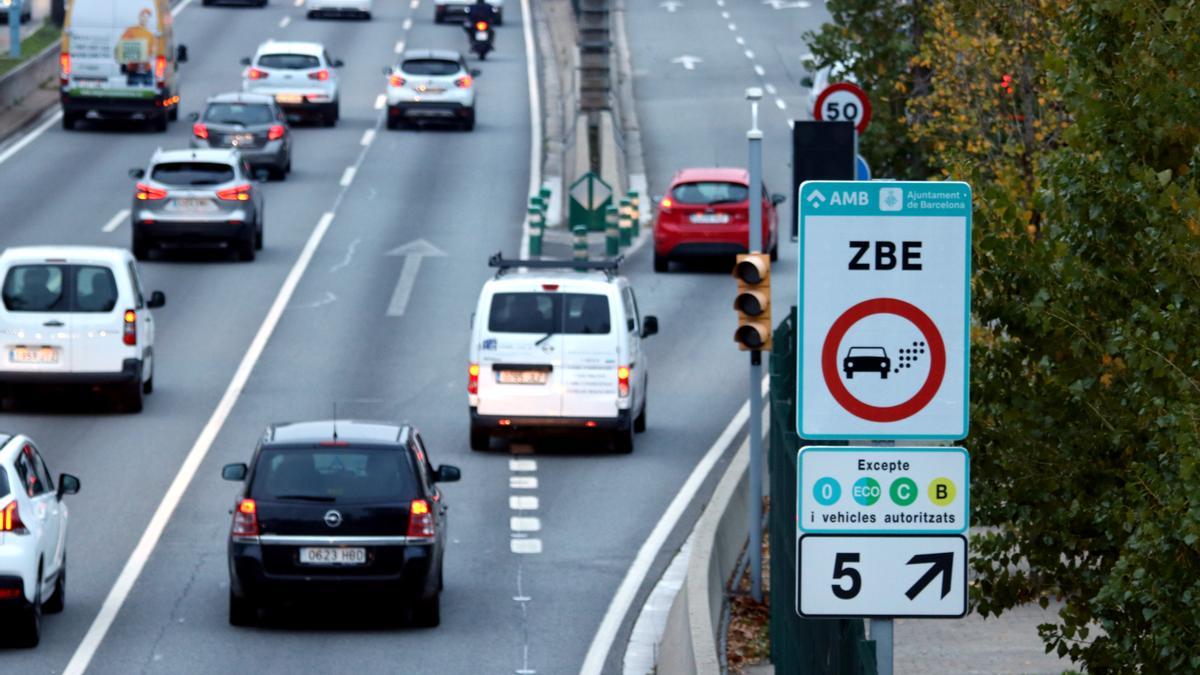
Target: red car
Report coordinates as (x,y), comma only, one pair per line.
(706,212)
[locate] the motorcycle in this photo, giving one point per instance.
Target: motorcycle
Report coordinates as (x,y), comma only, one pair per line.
(481,37)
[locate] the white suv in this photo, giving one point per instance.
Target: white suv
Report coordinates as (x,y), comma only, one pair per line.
(76,315)
(431,84)
(555,349)
(33,538)
(300,75)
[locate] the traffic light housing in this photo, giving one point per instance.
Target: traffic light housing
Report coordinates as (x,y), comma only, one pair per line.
(753,302)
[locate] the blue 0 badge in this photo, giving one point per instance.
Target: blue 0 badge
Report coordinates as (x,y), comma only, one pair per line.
(827,491)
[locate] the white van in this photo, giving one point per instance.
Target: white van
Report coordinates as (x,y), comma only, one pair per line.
(557,349)
(76,315)
(118,59)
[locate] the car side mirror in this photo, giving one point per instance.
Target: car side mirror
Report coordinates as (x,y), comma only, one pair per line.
(157,299)
(137,174)
(806,81)
(67,484)
(447,474)
(777,199)
(649,326)
(338,63)
(245,61)
(234,472)
(181,54)
(195,117)
(387,71)
(475,72)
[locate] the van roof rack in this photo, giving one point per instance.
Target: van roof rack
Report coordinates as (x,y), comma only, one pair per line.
(608,265)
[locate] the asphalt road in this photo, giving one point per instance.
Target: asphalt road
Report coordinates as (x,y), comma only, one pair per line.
(462,194)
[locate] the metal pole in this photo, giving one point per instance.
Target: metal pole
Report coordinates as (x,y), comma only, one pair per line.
(754,496)
(881,635)
(14,29)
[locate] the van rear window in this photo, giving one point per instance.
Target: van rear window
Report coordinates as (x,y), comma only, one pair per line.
(59,288)
(545,313)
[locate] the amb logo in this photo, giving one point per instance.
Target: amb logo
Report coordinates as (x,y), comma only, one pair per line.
(840,198)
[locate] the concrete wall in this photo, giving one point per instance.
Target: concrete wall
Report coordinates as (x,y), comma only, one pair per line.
(26,78)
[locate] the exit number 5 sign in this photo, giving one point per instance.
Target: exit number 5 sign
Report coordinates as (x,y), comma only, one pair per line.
(885,300)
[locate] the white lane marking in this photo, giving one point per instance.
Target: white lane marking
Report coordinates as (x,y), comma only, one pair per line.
(522,503)
(525,524)
(779,103)
(406,25)
(749,54)
(368,137)
(195,457)
(30,137)
(522,482)
(180,7)
(525,546)
(740,40)
(380,101)
(299,3)
(725,15)
(623,599)
(759,70)
(345,262)
(115,221)
(285,21)
(687,61)
(670,5)
(720,3)
(348,176)
(415,4)
(399,48)
(414,252)
(733,27)
(535,118)
(522,465)
(770,88)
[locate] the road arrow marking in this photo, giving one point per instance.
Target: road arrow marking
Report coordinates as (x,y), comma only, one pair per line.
(413,253)
(687,61)
(671,5)
(942,563)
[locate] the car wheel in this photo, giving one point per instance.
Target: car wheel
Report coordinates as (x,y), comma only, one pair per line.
(173,113)
(288,169)
(623,440)
(428,613)
(242,612)
(883,375)
(366,16)
(469,122)
(141,247)
(29,630)
(58,599)
(849,374)
(311,15)
(69,120)
(775,252)
(158,123)
(499,19)
(480,438)
(258,239)
(639,422)
(246,248)
(148,385)
(131,397)
(393,118)
(661,263)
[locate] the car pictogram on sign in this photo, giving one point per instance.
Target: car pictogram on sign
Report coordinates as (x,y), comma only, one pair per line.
(866,360)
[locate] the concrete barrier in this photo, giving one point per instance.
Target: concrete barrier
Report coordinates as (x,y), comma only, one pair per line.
(23,80)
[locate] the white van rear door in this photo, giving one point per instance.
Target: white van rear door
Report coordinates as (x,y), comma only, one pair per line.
(99,320)
(590,354)
(520,356)
(36,322)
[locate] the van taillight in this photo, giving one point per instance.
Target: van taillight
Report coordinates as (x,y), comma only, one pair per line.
(420,520)
(160,69)
(64,68)
(130,334)
(623,381)
(245,519)
(473,378)
(10,519)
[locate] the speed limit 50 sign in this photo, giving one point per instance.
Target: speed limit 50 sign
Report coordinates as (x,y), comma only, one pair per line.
(844,102)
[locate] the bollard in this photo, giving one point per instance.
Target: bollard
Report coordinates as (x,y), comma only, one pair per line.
(635,205)
(626,223)
(581,242)
(536,202)
(544,193)
(537,227)
(612,232)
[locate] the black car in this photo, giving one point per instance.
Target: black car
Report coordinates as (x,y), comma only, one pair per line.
(866,360)
(252,124)
(339,509)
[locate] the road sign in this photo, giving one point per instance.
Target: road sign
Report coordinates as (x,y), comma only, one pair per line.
(862,170)
(590,197)
(881,576)
(843,102)
(884,279)
(821,151)
(882,490)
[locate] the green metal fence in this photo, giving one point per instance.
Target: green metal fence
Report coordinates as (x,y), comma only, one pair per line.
(798,645)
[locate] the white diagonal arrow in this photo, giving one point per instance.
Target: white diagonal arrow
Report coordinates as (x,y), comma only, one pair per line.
(413,253)
(670,5)
(688,62)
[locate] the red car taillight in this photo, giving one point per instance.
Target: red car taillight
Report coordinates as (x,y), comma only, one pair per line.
(396,81)
(473,378)
(240,193)
(160,69)
(245,519)
(64,68)
(276,132)
(147,193)
(200,131)
(464,82)
(623,381)
(420,520)
(320,75)
(129,335)
(256,74)
(481,25)
(10,519)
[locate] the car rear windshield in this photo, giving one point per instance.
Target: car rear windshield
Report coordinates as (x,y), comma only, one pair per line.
(710,193)
(289,61)
(184,174)
(59,288)
(245,114)
(867,351)
(429,67)
(544,313)
(334,475)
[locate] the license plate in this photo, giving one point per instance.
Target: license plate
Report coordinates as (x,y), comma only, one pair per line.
(481,35)
(521,377)
(710,218)
(192,204)
(289,98)
(33,355)
(329,555)
(241,139)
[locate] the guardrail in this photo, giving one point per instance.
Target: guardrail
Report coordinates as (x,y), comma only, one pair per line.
(18,83)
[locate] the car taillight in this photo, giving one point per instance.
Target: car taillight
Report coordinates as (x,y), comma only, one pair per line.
(160,68)
(320,75)
(241,193)
(276,132)
(473,378)
(256,74)
(420,520)
(129,336)
(200,130)
(481,25)
(623,381)
(396,81)
(245,519)
(64,68)
(10,519)
(147,193)
(464,82)
(666,204)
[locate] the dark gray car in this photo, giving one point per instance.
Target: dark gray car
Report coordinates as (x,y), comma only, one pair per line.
(250,123)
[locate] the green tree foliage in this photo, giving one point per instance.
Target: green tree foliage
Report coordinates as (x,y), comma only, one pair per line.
(1086,365)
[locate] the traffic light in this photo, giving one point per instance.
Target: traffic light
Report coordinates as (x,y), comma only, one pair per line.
(753,301)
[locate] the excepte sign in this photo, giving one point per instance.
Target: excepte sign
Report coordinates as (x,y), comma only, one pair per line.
(882,490)
(885,308)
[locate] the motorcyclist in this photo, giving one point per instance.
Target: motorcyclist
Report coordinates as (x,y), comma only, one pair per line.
(482,10)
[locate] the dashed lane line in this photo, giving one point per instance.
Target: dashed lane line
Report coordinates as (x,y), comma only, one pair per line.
(367,137)
(407,24)
(524,465)
(115,221)
(348,176)
(399,48)
(522,482)
(525,524)
(380,101)
(523,503)
(285,21)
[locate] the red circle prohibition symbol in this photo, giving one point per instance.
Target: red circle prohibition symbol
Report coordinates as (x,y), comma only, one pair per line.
(937,360)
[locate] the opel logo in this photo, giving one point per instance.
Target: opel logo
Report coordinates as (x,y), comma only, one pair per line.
(333,518)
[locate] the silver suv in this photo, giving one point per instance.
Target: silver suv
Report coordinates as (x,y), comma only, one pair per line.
(196,198)
(301,77)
